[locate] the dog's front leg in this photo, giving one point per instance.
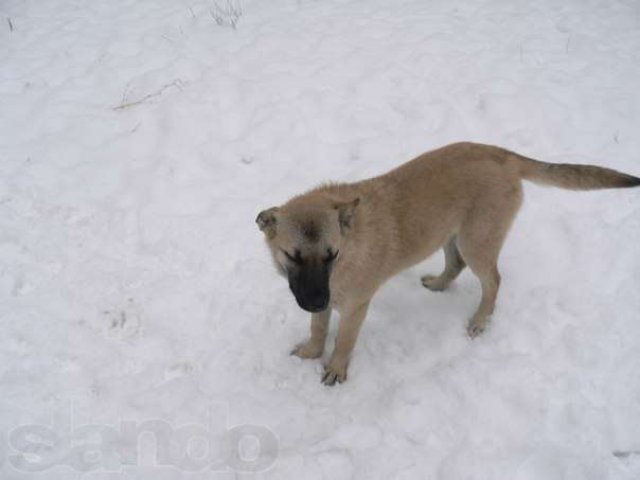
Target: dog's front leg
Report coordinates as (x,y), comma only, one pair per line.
(314,347)
(350,323)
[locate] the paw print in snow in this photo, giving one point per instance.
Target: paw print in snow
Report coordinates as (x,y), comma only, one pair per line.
(124,322)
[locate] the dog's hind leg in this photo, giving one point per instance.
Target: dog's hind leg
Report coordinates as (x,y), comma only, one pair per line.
(480,240)
(490,282)
(454,264)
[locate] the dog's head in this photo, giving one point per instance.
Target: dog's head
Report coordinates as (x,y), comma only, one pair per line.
(305,237)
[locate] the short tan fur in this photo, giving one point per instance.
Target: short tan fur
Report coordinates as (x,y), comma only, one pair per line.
(338,243)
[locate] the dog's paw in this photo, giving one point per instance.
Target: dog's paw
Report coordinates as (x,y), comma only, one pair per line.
(475,328)
(333,375)
(308,350)
(434,283)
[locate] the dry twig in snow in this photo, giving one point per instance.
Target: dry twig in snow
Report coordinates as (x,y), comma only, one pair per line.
(176,83)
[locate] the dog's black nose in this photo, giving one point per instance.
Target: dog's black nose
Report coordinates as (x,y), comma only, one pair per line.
(315,303)
(318,305)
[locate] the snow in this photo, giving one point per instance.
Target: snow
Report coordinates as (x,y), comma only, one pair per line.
(138,141)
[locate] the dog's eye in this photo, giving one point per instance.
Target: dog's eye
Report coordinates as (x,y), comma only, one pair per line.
(331,256)
(297,259)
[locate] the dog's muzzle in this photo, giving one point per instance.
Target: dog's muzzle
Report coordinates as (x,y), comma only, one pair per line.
(310,287)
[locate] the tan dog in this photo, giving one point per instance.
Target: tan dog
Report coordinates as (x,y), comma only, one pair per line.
(338,243)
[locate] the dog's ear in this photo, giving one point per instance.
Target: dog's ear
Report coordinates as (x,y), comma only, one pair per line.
(346,213)
(266,221)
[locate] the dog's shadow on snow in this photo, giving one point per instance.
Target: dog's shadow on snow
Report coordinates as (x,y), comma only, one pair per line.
(410,325)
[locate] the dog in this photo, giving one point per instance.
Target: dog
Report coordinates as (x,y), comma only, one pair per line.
(337,244)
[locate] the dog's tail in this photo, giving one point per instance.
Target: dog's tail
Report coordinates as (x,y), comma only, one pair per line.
(574,176)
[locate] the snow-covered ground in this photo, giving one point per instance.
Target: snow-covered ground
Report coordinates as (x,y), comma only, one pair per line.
(140,138)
